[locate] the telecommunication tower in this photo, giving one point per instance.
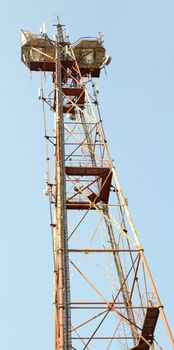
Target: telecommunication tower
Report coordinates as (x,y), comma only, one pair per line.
(104,293)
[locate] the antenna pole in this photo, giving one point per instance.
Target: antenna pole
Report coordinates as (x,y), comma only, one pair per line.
(59,205)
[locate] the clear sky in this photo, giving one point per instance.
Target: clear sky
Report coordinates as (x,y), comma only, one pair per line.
(136,100)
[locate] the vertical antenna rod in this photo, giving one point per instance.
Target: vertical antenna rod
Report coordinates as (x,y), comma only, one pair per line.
(61,276)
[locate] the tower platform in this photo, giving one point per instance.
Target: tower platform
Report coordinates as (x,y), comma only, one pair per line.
(148,328)
(104,174)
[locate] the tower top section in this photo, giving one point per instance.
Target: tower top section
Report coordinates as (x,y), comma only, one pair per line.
(38,53)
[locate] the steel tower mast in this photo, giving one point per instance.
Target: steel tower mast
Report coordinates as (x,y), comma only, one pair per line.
(104,294)
(61,274)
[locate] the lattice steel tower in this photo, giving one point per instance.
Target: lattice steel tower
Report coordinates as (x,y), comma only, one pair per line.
(104,294)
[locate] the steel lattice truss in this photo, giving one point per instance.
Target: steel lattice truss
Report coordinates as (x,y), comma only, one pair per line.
(107,297)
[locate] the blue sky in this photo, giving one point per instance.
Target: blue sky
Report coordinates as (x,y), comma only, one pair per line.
(136,100)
